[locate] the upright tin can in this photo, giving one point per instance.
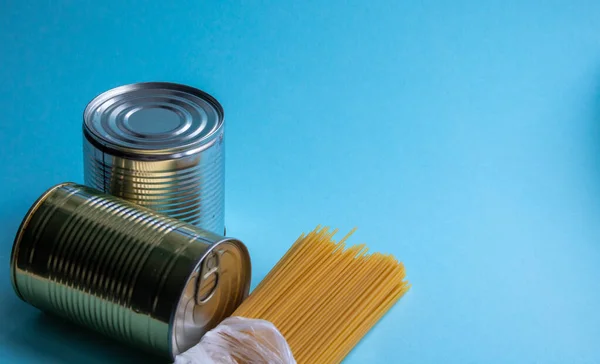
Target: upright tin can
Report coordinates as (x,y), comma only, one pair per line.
(159,145)
(125,270)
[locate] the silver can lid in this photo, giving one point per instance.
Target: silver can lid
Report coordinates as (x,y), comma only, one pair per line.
(153,120)
(215,289)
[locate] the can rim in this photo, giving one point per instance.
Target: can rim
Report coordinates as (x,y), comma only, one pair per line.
(19,235)
(245,288)
(183,150)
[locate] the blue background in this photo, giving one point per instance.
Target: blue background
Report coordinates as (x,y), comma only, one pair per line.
(461,136)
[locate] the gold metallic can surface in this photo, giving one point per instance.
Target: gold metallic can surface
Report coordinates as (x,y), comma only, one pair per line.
(126,271)
(160,145)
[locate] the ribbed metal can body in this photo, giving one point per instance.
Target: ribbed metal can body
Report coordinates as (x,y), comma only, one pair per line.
(160,145)
(126,271)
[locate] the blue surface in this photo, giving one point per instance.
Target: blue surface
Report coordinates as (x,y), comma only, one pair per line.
(461,136)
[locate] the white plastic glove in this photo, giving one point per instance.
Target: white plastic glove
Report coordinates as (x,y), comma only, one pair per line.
(240,340)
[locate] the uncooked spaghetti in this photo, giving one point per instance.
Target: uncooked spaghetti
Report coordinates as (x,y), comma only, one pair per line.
(324,297)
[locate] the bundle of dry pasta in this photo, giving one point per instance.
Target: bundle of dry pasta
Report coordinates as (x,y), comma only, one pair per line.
(322,296)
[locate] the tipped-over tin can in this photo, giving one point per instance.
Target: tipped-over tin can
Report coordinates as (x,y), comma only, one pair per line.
(126,271)
(159,145)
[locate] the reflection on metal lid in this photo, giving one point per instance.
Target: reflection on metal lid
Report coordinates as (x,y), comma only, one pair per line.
(154,118)
(216,287)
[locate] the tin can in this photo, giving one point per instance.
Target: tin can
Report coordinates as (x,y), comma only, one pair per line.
(126,271)
(159,145)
